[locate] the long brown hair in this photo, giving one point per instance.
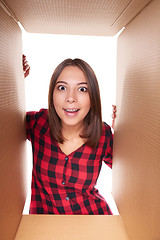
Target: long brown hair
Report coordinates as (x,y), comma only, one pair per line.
(93,121)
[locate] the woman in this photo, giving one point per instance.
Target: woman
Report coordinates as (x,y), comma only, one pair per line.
(69,143)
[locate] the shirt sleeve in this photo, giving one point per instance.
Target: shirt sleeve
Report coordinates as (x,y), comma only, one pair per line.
(31,118)
(109,148)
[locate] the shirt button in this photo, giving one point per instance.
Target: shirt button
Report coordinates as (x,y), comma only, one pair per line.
(63,182)
(67,198)
(66,158)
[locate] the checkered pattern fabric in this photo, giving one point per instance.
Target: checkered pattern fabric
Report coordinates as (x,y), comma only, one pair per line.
(64,184)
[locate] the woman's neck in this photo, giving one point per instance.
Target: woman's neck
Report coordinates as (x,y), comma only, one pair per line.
(71,132)
(72,139)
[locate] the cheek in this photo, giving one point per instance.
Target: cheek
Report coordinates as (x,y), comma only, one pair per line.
(56,98)
(55,101)
(87,102)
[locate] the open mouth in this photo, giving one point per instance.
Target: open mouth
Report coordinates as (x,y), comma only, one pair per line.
(69,110)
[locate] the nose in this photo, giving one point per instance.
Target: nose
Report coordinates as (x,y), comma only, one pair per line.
(70,100)
(71,97)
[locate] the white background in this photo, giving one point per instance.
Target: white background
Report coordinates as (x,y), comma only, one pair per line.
(44,52)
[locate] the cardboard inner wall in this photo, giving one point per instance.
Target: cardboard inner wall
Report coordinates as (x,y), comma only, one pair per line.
(12,147)
(136,170)
(98,17)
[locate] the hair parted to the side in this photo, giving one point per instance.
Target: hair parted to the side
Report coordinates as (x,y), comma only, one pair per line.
(93,121)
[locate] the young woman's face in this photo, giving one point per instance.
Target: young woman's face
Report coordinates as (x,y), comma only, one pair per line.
(71,97)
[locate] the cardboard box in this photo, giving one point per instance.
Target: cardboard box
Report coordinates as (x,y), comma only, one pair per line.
(136,167)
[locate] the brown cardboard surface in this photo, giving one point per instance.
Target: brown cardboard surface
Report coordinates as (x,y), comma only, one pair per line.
(136,170)
(98,17)
(12,149)
(69,227)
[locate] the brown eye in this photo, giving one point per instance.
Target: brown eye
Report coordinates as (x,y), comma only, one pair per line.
(61,88)
(83,89)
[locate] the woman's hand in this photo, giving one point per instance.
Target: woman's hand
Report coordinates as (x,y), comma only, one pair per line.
(114,110)
(26,67)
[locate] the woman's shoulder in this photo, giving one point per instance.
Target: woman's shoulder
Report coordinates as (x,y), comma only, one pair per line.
(42,114)
(43,111)
(36,115)
(107,131)
(106,126)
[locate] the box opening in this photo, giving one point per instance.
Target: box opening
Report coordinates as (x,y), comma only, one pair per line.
(45,52)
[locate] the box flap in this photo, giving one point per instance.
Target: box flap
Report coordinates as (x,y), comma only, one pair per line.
(98,17)
(77,227)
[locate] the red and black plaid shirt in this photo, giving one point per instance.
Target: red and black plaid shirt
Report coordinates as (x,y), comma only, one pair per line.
(64,184)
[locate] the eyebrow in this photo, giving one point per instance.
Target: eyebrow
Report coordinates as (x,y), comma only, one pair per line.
(80,83)
(61,82)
